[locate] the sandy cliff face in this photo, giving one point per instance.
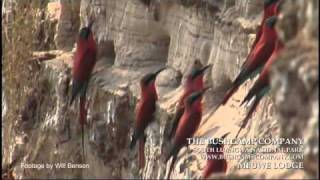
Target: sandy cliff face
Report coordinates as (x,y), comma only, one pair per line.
(134,39)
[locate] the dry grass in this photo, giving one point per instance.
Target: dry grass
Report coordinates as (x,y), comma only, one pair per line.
(19,75)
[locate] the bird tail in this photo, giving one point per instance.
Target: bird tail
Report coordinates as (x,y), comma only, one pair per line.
(76,88)
(249,96)
(82,141)
(259,89)
(73,96)
(241,78)
(173,152)
(174,158)
(247,59)
(229,94)
(169,153)
(248,116)
(134,139)
(175,123)
(141,153)
(82,121)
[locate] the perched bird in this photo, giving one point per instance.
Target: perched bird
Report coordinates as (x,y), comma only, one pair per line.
(216,163)
(261,86)
(83,64)
(145,108)
(269,10)
(260,55)
(193,83)
(187,126)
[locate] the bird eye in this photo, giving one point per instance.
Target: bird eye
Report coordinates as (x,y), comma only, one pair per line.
(271,21)
(85,32)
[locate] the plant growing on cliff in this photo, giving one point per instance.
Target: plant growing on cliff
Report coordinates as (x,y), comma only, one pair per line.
(18,73)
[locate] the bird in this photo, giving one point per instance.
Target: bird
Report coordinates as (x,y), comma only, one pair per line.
(216,163)
(188,124)
(262,85)
(145,108)
(269,9)
(83,64)
(260,55)
(193,83)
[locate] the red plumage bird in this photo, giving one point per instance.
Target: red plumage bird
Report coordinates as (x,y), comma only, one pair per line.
(216,163)
(193,83)
(261,86)
(83,64)
(187,126)
(269,10)
(145,110)
(260,55)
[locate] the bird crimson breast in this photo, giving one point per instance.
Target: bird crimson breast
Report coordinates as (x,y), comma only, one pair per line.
(145,112)
(84,59)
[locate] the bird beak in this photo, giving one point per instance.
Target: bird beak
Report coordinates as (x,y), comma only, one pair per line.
(225,135)
(156,73)
(90,24)
(205,89)
(205,68)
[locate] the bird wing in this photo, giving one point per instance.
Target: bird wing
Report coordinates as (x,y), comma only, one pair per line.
(260,56)
(258,35)
(188,125)
(263,80)
(250,68)
(145,113)
(175,121)
(82,69)
(84,65)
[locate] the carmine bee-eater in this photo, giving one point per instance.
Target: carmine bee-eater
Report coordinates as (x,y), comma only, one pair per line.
(261,86)
(193,83)
(83,64)
(187,126)
(259,57)
(268,11)
(145,110)
(216,163)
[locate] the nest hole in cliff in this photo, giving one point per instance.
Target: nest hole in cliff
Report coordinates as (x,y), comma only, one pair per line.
(171,77)
(106,51)
(163,46)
